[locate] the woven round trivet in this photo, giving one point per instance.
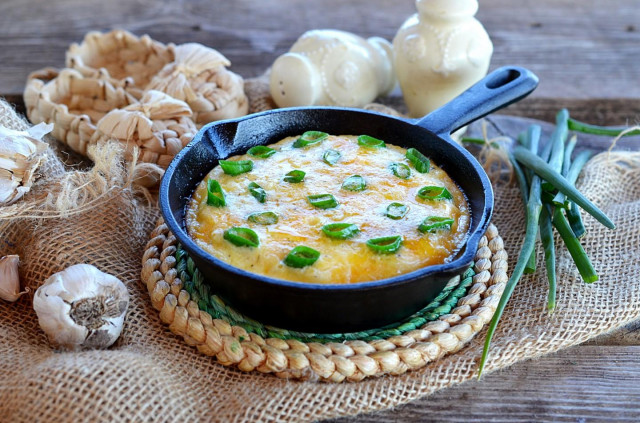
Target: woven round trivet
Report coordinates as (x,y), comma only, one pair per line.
(204,321)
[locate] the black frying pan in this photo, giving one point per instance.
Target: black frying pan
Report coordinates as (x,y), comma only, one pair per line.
(342,308)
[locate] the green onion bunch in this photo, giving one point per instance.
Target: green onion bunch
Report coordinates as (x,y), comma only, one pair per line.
(547,185)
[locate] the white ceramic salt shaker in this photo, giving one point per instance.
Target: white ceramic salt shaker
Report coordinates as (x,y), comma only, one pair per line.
(439,52)
(334,68)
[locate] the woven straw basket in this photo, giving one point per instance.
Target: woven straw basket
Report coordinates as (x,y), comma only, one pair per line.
(136,90)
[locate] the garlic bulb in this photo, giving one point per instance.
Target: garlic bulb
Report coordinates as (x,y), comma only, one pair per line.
(20,156)
(81,307)
(9,279)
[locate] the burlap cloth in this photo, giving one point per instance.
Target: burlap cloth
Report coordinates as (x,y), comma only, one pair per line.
(152,375)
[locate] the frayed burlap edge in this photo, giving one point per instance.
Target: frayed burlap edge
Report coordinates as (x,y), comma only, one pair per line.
(332,362)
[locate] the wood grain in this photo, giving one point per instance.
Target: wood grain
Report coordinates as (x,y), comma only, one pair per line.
(579,48)
(584,51)
(581,384)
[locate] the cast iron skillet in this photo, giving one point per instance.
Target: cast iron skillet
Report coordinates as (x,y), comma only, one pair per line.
(366,305)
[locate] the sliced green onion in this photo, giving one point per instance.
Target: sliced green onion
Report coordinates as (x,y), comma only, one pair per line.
(331,157)
(370,142)
(261,151)
(340,230)
(263,218)
(310,138)
(418,160)
(323,201)
(242,237)
(386,244)
(215,195)
(396,211)
(234,168)
(258,192)
(434,193)
(301,256)
(354,183)
(434,223)
(400,170)
(295,176)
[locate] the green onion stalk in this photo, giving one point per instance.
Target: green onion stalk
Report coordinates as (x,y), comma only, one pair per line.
(548,244)
(534,206)
(547,187)
(612,131)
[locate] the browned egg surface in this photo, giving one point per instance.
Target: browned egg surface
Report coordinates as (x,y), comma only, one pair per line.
(300,223)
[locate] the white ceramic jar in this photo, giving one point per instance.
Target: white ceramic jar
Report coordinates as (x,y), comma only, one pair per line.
(335,68)
(440,52)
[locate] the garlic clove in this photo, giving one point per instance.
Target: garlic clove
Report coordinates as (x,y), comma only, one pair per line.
(81,307)
(8,186)
(9,279)
(20,156)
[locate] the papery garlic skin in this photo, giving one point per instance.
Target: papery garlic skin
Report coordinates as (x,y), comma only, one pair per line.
(20,156)
(81,307)
(9,279)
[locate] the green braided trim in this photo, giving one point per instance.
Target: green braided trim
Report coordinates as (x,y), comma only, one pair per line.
(200,292)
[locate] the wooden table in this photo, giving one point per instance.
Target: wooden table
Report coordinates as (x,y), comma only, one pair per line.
(586,52)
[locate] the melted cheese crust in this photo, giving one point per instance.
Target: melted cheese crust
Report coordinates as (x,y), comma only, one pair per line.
(341,261)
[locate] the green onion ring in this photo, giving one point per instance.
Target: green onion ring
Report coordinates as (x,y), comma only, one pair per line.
(294,177)
(434,193)
(235,168)
(396,211)
(331,157)
(263,218)
(242,237)
(386,244)
(323,201)
(370,142)
(301,256)
(258,192)
(434,223)
(310,138)
(261,151)
(354,183)
(419,161)
(215,195)
(400,170)
(340,230)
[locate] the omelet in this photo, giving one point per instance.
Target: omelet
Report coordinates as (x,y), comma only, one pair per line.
(328,209)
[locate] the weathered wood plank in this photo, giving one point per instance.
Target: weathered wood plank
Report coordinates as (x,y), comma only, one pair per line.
(580,49)
(582,384)
(585,52)
(606,111)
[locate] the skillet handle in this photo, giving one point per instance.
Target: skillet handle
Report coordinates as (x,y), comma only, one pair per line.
(500,88)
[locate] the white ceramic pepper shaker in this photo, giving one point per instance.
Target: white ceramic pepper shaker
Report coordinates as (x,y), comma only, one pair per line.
(335,68)
(439,52)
